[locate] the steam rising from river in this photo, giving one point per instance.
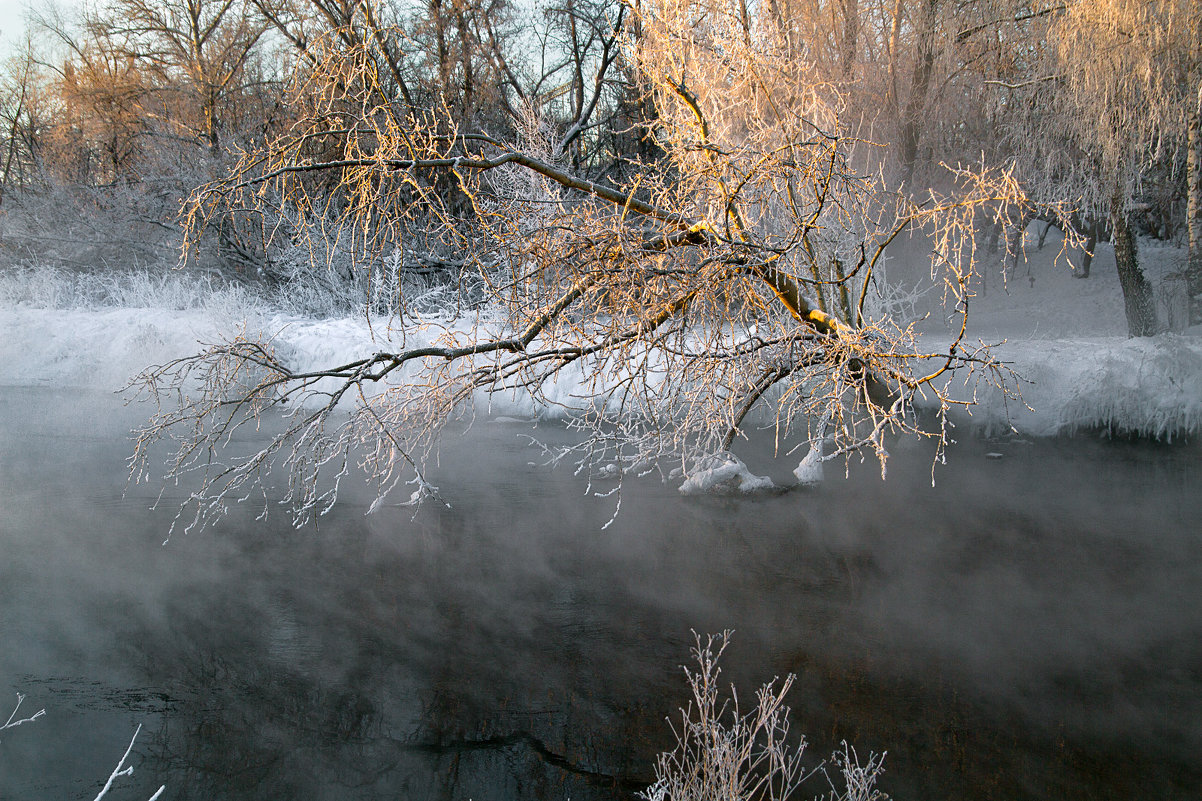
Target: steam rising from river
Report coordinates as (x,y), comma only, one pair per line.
(508,647)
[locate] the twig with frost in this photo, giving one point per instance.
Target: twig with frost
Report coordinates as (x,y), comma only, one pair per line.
(13,721)
(859,781)
(722,752)
(122,770)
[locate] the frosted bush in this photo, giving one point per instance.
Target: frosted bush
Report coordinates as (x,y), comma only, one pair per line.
(723,753)
(45,286)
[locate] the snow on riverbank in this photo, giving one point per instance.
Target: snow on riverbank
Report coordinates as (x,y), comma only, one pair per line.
(1065,337)
(1067,340)
(1150,386)
(93,348)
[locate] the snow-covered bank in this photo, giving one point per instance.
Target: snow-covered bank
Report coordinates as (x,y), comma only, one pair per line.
(1065,337)
(1149,386)
(98,349)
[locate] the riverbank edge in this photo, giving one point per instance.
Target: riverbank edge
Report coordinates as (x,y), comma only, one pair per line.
(1150,387)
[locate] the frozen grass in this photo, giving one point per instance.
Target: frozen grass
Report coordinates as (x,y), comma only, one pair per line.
(48,287)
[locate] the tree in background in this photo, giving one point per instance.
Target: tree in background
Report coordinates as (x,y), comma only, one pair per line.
(1112,109)
(1139,64)
(138,103)
(195,54)
(913,75)
(101,126)
(23,121)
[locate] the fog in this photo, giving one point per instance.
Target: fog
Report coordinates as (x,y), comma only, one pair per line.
(1027,628)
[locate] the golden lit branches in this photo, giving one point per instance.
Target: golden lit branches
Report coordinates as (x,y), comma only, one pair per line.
(658,310)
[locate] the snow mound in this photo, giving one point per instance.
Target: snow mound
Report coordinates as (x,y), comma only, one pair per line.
(1149,386)
(101,348)
(809,471)
(724,474)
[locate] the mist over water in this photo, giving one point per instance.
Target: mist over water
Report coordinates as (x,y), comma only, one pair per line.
(1027,628)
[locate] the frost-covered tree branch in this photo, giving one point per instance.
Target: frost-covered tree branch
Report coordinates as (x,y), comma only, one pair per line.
(737,277)
(123,770)
(13,721)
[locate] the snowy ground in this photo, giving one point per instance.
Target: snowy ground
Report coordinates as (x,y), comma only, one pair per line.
(1066,337)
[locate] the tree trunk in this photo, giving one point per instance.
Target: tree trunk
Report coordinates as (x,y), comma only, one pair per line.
(1014,243)
(920,85)
(465,59)
(1137,292)
(1193,269)
(1091,244)
(892,101)
(851,35)
(1043,234)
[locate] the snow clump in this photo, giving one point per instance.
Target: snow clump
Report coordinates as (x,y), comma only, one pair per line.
(809,471)
(723,474)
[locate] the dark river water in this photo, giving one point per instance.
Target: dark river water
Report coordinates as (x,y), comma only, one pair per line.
(1029,628)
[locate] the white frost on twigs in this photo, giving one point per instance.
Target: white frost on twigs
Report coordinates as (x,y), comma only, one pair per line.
(13,722)
(723,473)
(122,770)
(424,489)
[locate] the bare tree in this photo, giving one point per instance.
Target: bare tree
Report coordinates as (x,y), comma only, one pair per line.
(194,54)
(741,272)
(24,119)
(576,86)
(101,127)
(134,105)
(912,73)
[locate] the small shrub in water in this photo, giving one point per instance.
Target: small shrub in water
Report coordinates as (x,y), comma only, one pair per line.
(725,754)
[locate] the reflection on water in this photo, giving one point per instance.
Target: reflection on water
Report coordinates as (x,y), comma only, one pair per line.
(1026,629)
